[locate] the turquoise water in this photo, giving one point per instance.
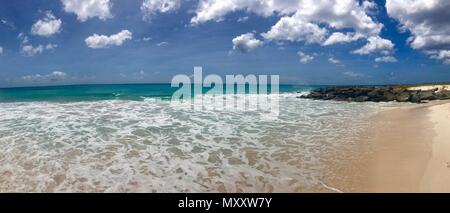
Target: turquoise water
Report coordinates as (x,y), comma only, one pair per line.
(76,93)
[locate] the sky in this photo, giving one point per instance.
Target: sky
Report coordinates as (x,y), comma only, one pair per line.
(312,42)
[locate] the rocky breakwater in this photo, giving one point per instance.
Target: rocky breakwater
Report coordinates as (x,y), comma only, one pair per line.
(378,94)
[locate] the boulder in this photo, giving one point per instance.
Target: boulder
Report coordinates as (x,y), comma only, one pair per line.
(329,96)
(403,97)
(398,90)
(376,94)
(443,95)
(389,96)
(315,94)
(427,95)
(361,98)
(415,98)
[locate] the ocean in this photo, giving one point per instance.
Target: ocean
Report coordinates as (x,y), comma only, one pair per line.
(129,138)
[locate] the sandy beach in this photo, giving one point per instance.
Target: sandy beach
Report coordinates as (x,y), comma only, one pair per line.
(409,151)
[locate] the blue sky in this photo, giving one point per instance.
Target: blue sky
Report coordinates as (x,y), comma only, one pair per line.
(46,42)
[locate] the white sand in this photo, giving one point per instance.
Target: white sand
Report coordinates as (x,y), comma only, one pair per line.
(437,174)
(409,152)
(431,87)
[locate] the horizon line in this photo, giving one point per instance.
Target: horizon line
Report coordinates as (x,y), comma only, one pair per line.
(311,85)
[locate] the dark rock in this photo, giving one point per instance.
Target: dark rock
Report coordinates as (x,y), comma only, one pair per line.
(389,96)
(398,90)
(329,96)
(362,99)
(443,95)
(315,94)
(403,96)
(376,94)
(427,95)
(415,98)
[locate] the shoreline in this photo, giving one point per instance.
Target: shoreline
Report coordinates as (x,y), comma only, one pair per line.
(407,152)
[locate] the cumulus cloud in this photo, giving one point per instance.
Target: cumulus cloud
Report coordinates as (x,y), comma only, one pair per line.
(369,6)
(324,22)
(338,14)
(334,61)
(102,41)
(339,37)
(293,29)
(376,44)
(53,76)
(47,26)
(86,9)
(429,23)
(51,46)
(441,55)
(1,51)
(29,50)
(305,58)
(151,7)
(215,10)
(386,59)
(246,43)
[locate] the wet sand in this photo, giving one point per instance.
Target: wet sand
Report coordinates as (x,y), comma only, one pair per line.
(409,152)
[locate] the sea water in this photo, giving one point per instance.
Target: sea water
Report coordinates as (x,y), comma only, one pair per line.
(130,138)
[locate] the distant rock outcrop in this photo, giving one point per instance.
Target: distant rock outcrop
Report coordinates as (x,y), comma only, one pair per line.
(377,94)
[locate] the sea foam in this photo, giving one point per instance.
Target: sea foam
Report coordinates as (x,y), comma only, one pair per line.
(151,146)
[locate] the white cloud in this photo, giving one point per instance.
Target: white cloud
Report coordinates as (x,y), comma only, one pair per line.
(47,26)
(243,19)
(376,44)
(7,23)
(324,22)
(58,74)
(386,59)
(334,61)
(53,76)
(147,39)
(29,50)
(51,46)
(305,58)
(162,44)
(293,29)
(102,41)
(442,55)
(354,74)
(215,10)
(338,14)
(24,39)
(429,23)
(151,7)
(246,43)
(1,51)
(339,37)
(334,15)
(86,9)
